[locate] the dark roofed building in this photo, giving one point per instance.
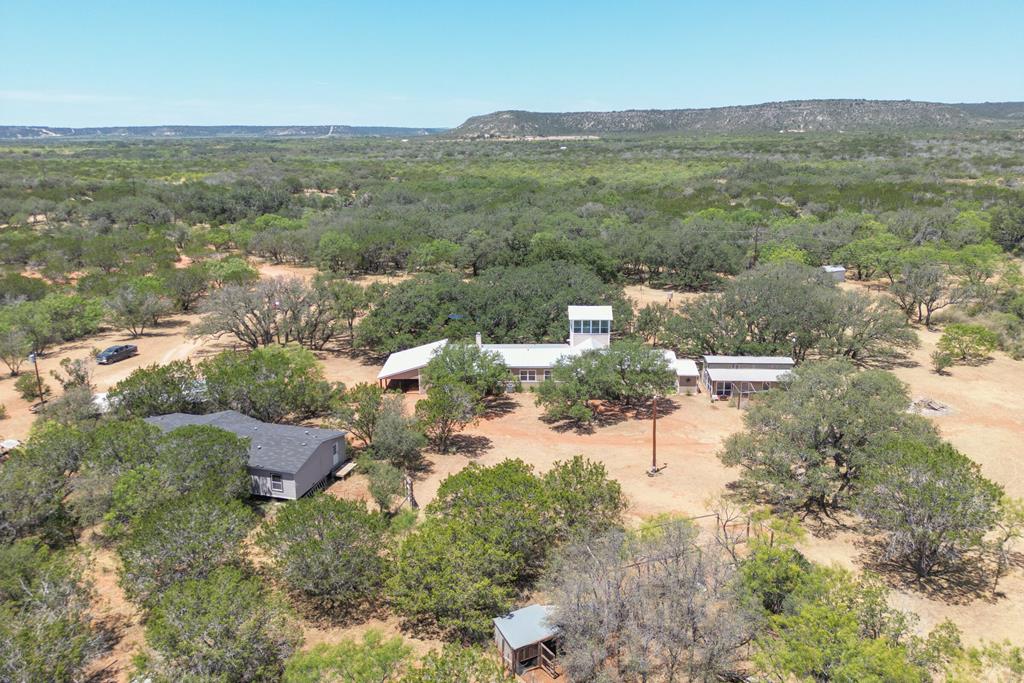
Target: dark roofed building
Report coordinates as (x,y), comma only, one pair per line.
(285,461)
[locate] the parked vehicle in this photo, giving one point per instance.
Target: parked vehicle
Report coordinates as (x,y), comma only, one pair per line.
(117,353)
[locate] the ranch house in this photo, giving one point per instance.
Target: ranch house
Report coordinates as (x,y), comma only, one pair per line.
(285,461)
(590,327)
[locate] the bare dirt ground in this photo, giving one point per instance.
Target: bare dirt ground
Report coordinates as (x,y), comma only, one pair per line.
(986,421)
(643,296)
(116,613)
(307,273)
(160,345)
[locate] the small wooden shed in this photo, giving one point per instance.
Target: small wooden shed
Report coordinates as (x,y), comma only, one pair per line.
(526,640)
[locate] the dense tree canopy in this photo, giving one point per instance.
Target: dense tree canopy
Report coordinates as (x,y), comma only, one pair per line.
(48,631)
(488,531)
(271,384)
(791,310)
(499,238)
(506,305)
(224,626)
(931,500)
(182,539)
(627,373)
(807,443)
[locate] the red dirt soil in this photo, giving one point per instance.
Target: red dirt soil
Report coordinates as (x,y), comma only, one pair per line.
(986,423)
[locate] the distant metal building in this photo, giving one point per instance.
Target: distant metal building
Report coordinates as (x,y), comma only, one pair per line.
(526,640)
(837,273)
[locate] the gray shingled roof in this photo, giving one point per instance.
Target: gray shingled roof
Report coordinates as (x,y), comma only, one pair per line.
(277,448)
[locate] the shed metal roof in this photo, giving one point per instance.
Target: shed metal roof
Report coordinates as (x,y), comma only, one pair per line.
(746,374)
(590,313)
(273,447)
(762,360)
(410,359)
(526,626)
(834,269)
(685,367)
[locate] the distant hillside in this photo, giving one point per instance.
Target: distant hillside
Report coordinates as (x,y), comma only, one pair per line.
(139,132)
(1008,111)
(796,116)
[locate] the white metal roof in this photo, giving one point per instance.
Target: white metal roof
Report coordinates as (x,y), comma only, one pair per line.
(526,626)
(746,374)
(834,269)
(685,367)
(536,355)
(410,359)
(590,313)
(751,360)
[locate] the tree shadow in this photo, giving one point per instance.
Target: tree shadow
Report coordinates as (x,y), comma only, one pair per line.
(607,414)
(109,631)
(367,357)
(890,363)
(470,445)
(824,523)
(499,406)
(960,583)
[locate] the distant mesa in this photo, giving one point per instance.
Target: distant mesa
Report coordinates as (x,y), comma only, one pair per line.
(795,116)
(164,132)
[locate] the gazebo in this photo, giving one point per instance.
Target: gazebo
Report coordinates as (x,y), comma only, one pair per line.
(527,640)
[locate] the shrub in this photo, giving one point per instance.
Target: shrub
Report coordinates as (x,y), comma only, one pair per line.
(931,500)
(327,551)
(222,627)
(31,388)
(182,539)
(968,343)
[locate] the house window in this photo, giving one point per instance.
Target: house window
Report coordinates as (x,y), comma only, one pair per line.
(547,374)
(276,483)
(591,326)
(527,375)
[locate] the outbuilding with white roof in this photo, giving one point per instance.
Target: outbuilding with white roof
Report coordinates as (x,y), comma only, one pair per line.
(527,639)
(725,376)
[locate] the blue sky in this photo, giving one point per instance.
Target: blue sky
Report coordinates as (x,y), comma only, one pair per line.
(146,62)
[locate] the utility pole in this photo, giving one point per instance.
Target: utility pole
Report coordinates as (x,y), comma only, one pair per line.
(39,380)
(654,437)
